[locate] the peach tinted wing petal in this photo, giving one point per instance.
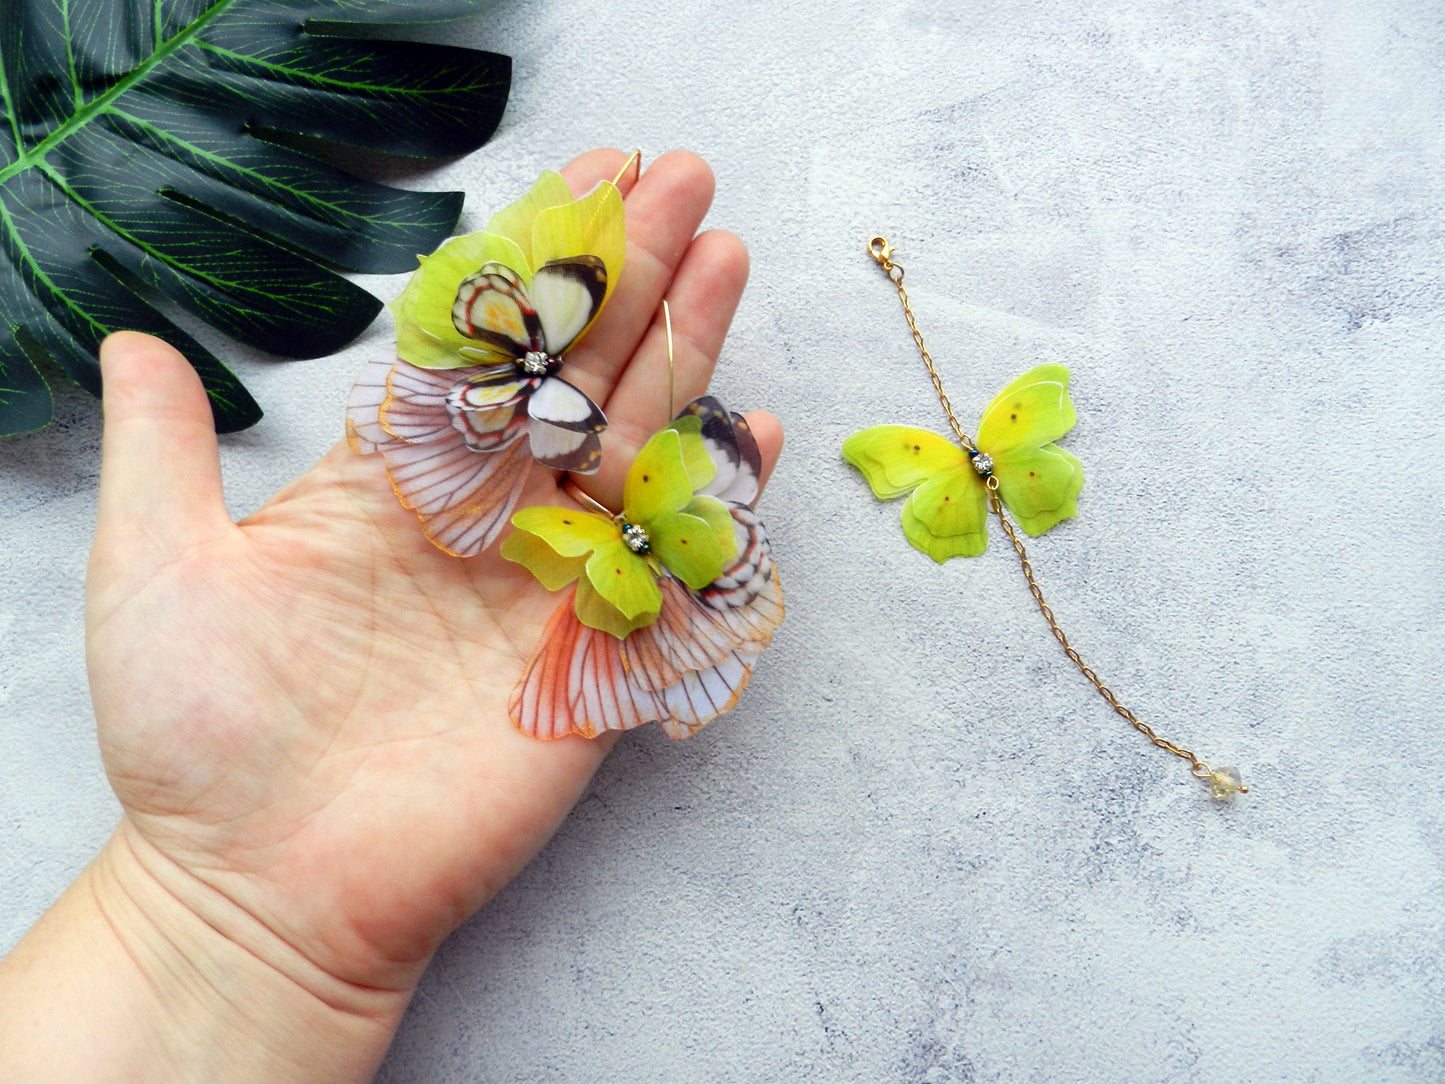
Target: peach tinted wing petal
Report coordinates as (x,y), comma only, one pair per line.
(461,494)
(462,497)
(416,405)
(363,408)
(461,470)
(601,697)
(681,639)
(538,705)
(703,695)
(414,409)
(575,683)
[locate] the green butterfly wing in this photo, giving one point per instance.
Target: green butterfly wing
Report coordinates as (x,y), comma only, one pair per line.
(657,482)
(716,513)
(947,516)
(545,224)
(1029,413)
(515,220)
(1041,487)
(1038,481)
(425,335)
(569,532)
(596,612)
(658,496)
(700,467)
(552,570)
(590,226)
(895,459)
(626,580)
(688,546)
(557,545)
(692,536)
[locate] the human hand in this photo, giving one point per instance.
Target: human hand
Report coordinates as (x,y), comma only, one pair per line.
(305,714)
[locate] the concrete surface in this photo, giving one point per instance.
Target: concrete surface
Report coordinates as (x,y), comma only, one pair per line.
(922,850)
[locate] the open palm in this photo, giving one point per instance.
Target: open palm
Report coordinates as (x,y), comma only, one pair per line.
(306,712)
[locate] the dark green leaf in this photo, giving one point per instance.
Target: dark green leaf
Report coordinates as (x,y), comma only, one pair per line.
(149,145)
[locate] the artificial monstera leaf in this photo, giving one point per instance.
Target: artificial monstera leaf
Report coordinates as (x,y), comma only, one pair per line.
(149,147)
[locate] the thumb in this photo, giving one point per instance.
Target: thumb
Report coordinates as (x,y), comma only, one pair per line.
(160,473)
(768,432)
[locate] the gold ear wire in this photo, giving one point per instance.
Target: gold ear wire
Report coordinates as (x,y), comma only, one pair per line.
(632,165)
(671,367)
(573,490)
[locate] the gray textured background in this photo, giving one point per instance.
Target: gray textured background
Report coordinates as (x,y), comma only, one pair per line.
(922,850)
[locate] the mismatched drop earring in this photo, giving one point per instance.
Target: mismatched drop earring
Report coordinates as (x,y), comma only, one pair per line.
(1013,464)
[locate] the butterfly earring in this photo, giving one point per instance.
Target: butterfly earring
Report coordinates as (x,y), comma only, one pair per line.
(672,599)
(483,329)
(1013,466)
(948,487)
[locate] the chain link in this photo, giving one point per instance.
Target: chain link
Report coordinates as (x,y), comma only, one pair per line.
(996,506)
(1220,781)
(880,250)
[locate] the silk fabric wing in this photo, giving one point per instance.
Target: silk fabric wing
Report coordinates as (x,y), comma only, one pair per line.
(685,659)
(482,329)
(946,513)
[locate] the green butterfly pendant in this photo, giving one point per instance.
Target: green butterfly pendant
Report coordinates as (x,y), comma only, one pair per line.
(946,514)
(666,527)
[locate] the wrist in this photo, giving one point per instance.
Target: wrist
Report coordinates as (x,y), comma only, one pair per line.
(141,972)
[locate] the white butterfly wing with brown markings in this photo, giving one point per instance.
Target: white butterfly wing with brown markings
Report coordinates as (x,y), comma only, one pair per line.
(730,445)
(564,427)
(567,295)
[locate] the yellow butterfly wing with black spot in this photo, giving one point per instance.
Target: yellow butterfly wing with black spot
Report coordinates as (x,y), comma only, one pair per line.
(1038,481)
(946,513)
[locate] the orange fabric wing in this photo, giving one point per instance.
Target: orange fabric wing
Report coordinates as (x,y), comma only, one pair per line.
(688,667)
(575,683)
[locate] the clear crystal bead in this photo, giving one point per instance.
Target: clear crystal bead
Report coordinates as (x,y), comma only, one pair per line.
(983,463)
(635,538)
(535,363)
(1225,783)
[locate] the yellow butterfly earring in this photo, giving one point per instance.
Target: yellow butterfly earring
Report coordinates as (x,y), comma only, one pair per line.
(1013,466)
(669,601)
(476,393)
